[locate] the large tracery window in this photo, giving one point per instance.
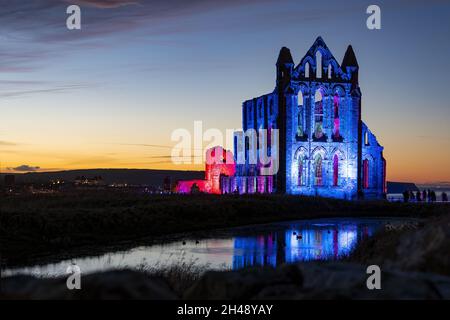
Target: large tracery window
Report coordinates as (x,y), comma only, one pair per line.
(301,171)
(300,130)
(336,120)
(318,178)
(318,116)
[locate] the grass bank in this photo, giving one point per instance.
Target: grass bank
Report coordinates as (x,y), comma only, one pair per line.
(32,224)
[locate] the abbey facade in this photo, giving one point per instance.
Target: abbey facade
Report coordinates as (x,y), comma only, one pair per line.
(325,149)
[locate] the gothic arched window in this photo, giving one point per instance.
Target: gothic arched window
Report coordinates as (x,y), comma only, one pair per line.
(365,175)
(336,121)
(318,180)
(318,65)
(318,116)
(301,170)
(300,127)
(307,70)
(335,170)
(329,71)
(300,98)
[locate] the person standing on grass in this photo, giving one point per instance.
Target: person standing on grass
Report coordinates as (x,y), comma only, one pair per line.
(405,196)
(444,197)
(419,196)
(433,196)
(424,195)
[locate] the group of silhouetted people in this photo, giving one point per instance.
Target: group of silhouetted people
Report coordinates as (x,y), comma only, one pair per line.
(424,196)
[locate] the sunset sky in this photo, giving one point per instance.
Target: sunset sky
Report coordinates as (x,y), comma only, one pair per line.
(110,95)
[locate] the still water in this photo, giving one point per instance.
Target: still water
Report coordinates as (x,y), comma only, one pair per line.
(270,244)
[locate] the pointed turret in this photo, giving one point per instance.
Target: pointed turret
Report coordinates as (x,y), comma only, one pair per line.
(285,57)
(285,67)
(350,66)
(349,59)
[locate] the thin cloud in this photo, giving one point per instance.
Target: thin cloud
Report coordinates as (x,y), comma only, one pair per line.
(25,168)
(35,33)
(153,146)
(31,40)
(7,143)
(440,138)
(103,3)
(57,89)
(20,82)
(22,58)
(144,145)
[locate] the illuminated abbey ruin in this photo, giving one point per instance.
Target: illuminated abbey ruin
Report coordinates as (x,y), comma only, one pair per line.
(324,149)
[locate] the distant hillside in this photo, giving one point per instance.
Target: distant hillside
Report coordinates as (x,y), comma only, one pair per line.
(129,176)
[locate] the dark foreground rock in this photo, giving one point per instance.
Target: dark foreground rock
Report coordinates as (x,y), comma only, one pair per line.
(334,280)
(248,284)
(104,286)
(317,281)
(423,249)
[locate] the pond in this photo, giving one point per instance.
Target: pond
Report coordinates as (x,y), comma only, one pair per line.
(235,248)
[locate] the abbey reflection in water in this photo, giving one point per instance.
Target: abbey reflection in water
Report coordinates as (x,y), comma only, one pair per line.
(320,241)
(266,245)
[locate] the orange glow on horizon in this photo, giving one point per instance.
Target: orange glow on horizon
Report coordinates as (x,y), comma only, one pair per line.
(403,164)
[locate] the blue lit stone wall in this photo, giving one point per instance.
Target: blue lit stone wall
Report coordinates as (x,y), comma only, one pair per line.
(338,85)
(346,150)
(373,152)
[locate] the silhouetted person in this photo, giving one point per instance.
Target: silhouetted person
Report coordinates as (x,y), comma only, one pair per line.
(419,196)
(444,197)
(424,195)
(195,189)
(433,196)
(405,196)
(412,196)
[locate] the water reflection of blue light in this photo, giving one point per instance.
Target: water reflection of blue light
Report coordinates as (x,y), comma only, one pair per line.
(305,243)
(268,245)
(250,251)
